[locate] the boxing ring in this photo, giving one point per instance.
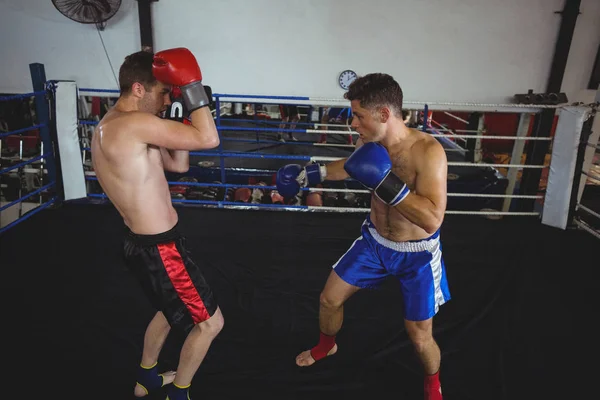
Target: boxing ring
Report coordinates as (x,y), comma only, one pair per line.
(246,142)
(501,334)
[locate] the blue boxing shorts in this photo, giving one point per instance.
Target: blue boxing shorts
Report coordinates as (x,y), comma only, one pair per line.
(418,265)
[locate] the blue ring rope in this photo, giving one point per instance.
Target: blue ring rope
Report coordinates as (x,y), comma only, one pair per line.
(19,165)
(240,155)
(219,203)
(249,96)
(250,155)
(22,96)
(4,207)
(213,184)
(22,130)
(82,122)
(99,90)
(259,121)
(28,214)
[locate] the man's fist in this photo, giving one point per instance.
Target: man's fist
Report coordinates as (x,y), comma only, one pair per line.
(371,165)
(292,177)
(178,67)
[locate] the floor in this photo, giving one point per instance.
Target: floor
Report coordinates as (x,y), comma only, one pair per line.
(524,297)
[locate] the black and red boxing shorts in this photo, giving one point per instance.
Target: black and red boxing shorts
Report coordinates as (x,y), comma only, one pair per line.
(172,281)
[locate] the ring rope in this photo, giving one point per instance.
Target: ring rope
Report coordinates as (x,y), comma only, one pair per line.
(22,96)
(345,101)
(275,122)
(28,214)
(455,117)
(16,132)
(4,207)
(587,228)
(238,205)
(591,212)
(19,165)
(324,158)
(595,146)
(334,190)
(297,143)
(467,104)
(433,103)
(349,132)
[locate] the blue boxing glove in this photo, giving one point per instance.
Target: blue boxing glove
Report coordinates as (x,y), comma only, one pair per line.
(371,165)
(292,177)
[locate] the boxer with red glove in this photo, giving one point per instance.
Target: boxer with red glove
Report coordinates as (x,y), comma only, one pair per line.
(371,165)
(292,177)
(178,67)
(132,174)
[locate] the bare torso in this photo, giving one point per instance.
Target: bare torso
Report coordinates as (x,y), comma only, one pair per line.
(390,223)
(131,174)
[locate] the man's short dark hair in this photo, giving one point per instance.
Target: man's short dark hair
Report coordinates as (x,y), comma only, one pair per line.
(137,67)
(375,91)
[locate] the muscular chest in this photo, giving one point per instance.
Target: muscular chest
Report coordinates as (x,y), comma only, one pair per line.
(403,166)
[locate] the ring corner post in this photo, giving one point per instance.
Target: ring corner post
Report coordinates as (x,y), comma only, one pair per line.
(563,166)
(68,144)
(42,109)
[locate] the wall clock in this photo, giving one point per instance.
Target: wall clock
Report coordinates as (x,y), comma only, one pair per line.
(346,78)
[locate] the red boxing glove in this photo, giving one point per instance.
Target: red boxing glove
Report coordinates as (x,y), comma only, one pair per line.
(178,67)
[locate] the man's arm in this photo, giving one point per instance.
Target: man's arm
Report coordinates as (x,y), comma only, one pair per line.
(201,134)
(425,205)
(175,160)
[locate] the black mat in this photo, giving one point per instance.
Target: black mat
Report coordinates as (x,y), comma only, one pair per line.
(518,326)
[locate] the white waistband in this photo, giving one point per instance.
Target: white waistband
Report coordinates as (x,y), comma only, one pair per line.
(406,247)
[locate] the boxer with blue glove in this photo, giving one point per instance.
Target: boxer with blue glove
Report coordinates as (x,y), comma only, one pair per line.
(406,171)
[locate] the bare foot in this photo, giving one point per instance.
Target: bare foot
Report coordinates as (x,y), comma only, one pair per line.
(305,359)
(168,377)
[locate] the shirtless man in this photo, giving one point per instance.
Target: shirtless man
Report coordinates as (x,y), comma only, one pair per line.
(131,149)
(406,171)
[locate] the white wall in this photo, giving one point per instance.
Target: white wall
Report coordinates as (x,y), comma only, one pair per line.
(451,50)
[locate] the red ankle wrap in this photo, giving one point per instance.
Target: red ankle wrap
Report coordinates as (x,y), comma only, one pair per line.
(326,343)
(433,387)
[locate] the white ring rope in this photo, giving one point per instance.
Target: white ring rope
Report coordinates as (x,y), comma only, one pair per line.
(481,165)
(498,196)
(587,228)
(591,212)
(508,105)
(366,210)
(491,137)
(325,132)
(350,132)
(454,163)
(532,213)
(455,117)
(334,145)
(596,146)
(432,105)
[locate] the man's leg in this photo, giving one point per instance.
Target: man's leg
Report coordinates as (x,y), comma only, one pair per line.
(331,316)
(154,339)
(421,336)
(196,346)
(282,126)
(293,123)
(324,121)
